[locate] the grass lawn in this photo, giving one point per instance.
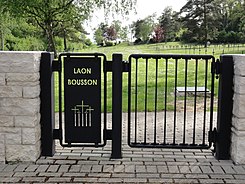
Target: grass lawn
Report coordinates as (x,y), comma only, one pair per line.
(158,94)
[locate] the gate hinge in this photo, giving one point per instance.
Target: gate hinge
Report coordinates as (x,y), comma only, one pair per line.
(216,68)
(212,136)
(57,134)
(56,65)
(108,66)
(126,66)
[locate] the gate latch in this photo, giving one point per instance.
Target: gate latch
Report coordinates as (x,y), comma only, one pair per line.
(108,66)
(212,135)
(216,68)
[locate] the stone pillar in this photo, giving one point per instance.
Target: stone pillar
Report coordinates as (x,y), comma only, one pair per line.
(19,106)
(238,120)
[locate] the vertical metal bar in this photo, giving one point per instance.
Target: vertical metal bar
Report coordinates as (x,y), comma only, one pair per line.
(225,106)
(165,103)
(195,97)
(117,106)
(175,99)
(205,98)
(155,123)
(212,97)
(129,102)
(136,100)
(47,105)
(60,100)
(146,86)
(105,99)
(186,79)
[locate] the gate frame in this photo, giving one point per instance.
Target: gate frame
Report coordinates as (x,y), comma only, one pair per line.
(48,131)
(215,69)
(117,66)
(47,104)
(225,107)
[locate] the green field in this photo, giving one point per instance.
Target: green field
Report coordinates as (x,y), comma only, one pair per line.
(161,48)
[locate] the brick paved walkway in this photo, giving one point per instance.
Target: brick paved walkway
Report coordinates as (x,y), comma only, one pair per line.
(93,165)
(84,165)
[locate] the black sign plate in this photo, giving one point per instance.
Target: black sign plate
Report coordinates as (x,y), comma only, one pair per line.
(82,99)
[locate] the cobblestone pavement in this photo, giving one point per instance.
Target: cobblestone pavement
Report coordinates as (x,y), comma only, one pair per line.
(138,165)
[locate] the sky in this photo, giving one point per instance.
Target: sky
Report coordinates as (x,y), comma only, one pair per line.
(148,7)
(144,8)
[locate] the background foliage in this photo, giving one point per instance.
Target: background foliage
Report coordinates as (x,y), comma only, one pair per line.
(56,25)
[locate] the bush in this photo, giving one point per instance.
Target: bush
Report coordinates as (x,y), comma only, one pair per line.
(138,41)
(88,42)
(29,43)
(109,43)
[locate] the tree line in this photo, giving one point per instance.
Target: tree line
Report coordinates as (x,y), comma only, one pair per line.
(57,24)
(45,24)
(198,21)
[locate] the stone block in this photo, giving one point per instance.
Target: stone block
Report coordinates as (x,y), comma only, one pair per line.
(19,102)
(238,147)
(10,91)
(12,135)
(23,83)
(239,84)
(27,121)
(238,123)
(18,111)
(31,135)
(10,130)
(2,148)
(31,92)
(2,79)
(20,62)
(6,121)
(14,138)
(19,106)
(239,67)
(22,77)
(238,105)
(24,153)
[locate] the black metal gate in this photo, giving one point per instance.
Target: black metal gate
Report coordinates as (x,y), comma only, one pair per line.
(81,94)
(171,101)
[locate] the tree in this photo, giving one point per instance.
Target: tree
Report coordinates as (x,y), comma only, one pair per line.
(70,28)
(4,26)
(124,33)
(199,11)
(111,33)
(117,24)
(158,34)
(168,22)
(100,33)
(48,14)
(143,28)
(214,20)
(98,36)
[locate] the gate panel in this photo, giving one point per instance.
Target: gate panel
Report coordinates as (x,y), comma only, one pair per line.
(170,101)
(80,88)
(82,99)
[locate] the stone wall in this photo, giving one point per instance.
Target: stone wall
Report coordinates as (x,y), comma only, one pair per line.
(238,120)
(19,106)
